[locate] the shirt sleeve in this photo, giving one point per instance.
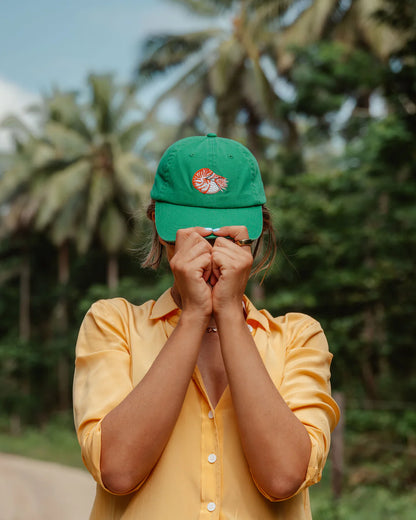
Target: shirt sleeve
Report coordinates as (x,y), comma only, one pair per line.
(102,376)
(306,389)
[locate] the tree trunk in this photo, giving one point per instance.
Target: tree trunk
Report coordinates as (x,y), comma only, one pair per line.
(61,322)
(337,449)
(63,264)
(257,293)
(24,303)
(112,272)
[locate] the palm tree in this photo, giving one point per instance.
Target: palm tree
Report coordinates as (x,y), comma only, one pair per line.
(239,69)
(355,26)
(95,178)
(352,23)
(79,181)
(228,66)
(19,208)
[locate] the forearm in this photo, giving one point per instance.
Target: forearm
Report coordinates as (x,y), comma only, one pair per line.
(275,442)
(135,433)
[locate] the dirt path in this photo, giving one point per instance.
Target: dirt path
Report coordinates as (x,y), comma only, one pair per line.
(36,490)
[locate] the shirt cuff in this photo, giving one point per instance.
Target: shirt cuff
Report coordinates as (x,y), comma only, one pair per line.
(91,456)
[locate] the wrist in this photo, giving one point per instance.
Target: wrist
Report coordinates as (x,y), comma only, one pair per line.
(193,319)
(230,314)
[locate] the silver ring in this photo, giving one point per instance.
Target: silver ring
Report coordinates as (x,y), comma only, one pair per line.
(244,242)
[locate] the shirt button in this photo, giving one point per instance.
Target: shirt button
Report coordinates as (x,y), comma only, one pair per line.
(211,506)
(212,458)
(211,414)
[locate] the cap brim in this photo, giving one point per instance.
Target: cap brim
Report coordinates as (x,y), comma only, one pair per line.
(171,217)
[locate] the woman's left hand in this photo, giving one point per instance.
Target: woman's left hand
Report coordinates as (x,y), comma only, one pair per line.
(231,266)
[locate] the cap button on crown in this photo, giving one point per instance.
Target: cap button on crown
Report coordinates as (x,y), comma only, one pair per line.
(211,135)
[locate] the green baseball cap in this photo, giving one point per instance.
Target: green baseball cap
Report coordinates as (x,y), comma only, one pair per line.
(207,181)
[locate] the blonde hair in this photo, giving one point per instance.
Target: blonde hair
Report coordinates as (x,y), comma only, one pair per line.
(264,250)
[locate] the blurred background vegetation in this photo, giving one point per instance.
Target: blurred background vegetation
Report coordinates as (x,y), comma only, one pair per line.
(324,94)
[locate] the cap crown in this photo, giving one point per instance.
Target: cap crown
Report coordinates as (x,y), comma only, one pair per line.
(208,172)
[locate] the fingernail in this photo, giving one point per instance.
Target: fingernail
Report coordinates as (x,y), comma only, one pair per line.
(216,229)
(209,229)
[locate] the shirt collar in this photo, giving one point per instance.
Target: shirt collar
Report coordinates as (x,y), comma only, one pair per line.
(163,306)
(254,315)
(166,305)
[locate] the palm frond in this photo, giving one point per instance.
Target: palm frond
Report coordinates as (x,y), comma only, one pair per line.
(128,137)
(197,72)
(132,179)
(280,5)
(60,188)
(308,27)
(16,124)
(101,189)
(19,174)
(259,90)
(230,60)
(361,24)
(112,229)
(165,51)
(126,104)
(192,98)
(64,225)
(66,142)
(267,15)
(12,182)
(103,91)
(63,107)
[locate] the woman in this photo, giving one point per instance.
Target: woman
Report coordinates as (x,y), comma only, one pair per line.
(198,405)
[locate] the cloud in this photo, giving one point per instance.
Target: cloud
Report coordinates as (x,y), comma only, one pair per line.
(14,100)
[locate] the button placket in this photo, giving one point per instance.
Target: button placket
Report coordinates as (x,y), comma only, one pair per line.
(211,472)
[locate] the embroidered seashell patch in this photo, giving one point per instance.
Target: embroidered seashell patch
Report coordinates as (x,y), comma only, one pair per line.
(206,181)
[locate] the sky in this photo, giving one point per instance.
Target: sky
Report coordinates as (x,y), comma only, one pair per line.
(48,43)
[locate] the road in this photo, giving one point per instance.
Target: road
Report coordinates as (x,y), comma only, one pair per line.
(36,490)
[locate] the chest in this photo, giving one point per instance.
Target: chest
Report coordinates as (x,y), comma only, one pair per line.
(211,367)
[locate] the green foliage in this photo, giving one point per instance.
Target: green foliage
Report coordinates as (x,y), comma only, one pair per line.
(136,290)
(327,73)
(224,66)
(351,234)
(55,441)
(162,52)
(363,503)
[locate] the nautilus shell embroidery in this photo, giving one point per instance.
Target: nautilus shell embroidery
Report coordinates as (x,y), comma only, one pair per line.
(206,181)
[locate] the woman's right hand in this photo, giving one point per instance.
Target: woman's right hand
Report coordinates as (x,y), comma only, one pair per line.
(191,266)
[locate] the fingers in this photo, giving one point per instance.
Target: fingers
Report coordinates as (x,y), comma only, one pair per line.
(192,254)
(192,234)
(227,254)
(234,232)
(190,244)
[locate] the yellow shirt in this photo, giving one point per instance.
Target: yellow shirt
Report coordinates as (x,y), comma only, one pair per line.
(202,473)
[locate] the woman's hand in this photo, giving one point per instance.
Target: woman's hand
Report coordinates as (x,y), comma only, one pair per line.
(191,265)
(231,266)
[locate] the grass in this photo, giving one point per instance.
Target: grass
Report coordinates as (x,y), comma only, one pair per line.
(55,442)
(361,502)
